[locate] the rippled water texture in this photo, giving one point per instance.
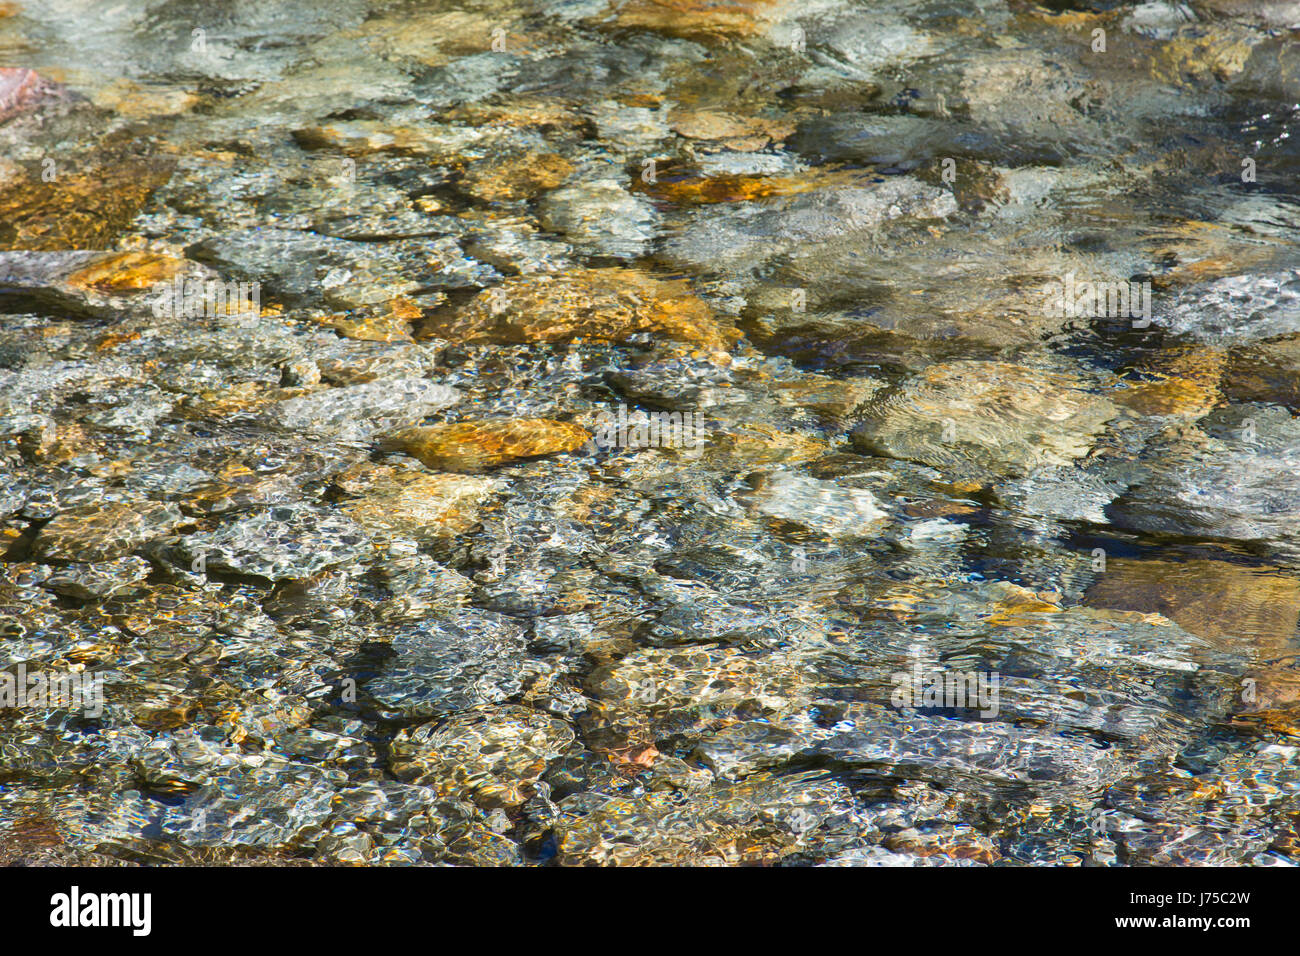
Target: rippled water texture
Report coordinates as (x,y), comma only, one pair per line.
(649,432)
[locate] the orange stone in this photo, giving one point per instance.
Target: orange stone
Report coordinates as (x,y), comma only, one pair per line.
(126,272)
(516,177)
(474,446)
(600,304)
(1188,386)
(91,203)
(388,323)
(396,502)
(702,18)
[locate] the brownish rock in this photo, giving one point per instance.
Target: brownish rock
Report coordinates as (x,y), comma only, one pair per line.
(523,112)
(493,756)
(969,418)
(834,398)
(474,446)
(55,443)
(1273,701)
(1215,54)
(686,185)
(35,840)
(78,283)
(395,501)
(87,206)
(163,715)
(99,532)
(1250,609)
(979,185)
(238,492)
(706,190)
(390,322)
(700,19)
(437,37)
(1216,600)
(756,444)
(134,101)
(516,177)
(744,133)
(600,304)
(242,398)
(1187,383)
(1267,372)
(122,273)
(21,89)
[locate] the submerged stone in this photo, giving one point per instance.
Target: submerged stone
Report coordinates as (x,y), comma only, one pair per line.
(600,217)
(412,504)
(969,418)
(817,505)
(597,304)
(91,582)
(1238,480)
(289,541)
(442,667)
(101,532)
(516,177)
(86,207)
(21,90)
(92,283)
(704,19)
(355,412)
(1236,309)
(475,446)
(493,757)
(919,572)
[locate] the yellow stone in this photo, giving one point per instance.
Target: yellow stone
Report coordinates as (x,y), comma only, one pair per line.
(1019,607)
(521,113)
(126,272)
(689,187)
(744,133)
(389,323)
(757,444)
(1215,600)
(702,18)
(1215,54)
(240,398)
(1189,386)
(1267,372)
(599,304)
(435,38)
(393,501)
(706,190)
(89,205)
(1253,610)
(133,101)
(516,177)
(474,446)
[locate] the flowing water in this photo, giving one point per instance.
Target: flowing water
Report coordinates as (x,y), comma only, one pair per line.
(566,432)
